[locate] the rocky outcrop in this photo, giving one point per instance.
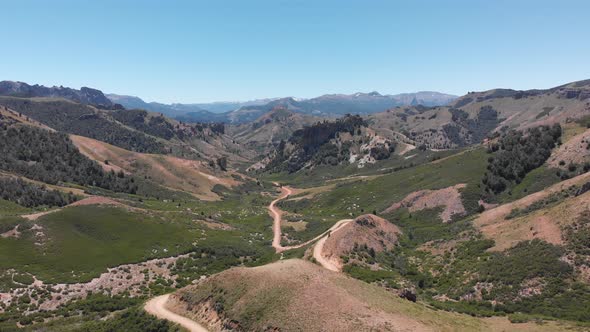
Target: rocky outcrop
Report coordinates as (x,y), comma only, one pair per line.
(85,95)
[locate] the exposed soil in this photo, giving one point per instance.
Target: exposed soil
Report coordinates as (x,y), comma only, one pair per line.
(304,297)
(543,224)
(181,174)
(11,233)
(158,306)
(369,230)
(576,151)
(449,197)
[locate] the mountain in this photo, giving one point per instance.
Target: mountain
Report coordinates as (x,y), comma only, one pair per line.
(324,106)
(84,95)
(467,216)
(197,112)
(470,118)
(301,296)
(425,98)
(347,140)
(264,133)
(339,104)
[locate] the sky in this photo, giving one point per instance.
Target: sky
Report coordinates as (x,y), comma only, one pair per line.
(203,51)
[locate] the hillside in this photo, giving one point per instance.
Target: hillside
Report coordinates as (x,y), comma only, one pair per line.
(474,116)
(195,177)
(270,129)
(85,95)
(295,295)
(340,104)
(466,244)
(419,218)
(359,241)
(134,130)
(345,140)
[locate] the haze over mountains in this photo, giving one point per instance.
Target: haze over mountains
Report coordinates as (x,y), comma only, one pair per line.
(326,105)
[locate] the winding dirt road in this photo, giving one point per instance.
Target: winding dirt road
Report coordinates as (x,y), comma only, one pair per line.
(276,213)
(157,307)
(318,249)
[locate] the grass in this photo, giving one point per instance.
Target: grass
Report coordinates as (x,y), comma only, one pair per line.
(306,178)
(536,180)
(354,198)
(8,208)
(81,242)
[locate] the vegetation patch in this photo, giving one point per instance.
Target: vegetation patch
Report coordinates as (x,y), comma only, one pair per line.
(516,153)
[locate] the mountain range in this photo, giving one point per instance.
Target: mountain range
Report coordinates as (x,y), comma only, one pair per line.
(85,95)
(295,215)
(326,106)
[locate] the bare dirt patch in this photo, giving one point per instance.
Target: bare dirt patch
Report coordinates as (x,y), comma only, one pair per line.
(214,224)
(449,197)
(544,223)
(576,151)
(11,233)
(192,176)
(369,230)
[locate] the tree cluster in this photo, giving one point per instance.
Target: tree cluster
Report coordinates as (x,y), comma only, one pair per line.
(516,153)
(312,143)
(84,120)
(51,157)
(31,195)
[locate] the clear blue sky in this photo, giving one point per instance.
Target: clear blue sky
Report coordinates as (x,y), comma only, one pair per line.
(196,51)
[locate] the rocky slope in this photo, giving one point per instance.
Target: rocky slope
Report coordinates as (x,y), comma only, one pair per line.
(85,95)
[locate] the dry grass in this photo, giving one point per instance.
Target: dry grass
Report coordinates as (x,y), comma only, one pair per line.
(370,230)
(573,150)
(543,224)
(181,174)
(296,295)
(449,197)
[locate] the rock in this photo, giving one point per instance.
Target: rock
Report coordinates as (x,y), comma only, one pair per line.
(408,294)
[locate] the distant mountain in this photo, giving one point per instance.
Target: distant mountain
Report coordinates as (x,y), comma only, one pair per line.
(264,133)
(197,112)
(339,104)
(171,110)
(472,117)
(326,106)
(425,98)
(85,95)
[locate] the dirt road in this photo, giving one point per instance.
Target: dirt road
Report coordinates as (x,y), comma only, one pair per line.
(157,307)
(276,213)
(318,249)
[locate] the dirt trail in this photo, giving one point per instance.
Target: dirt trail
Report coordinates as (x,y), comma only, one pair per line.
(318,249)
(90,200)
(276,213)
(157,307)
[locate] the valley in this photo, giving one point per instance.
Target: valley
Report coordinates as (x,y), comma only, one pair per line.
(466,216)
